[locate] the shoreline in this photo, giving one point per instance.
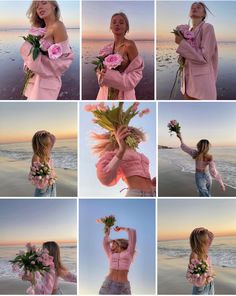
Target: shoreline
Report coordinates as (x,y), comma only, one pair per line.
(172,182)
(11,286)
(14,180)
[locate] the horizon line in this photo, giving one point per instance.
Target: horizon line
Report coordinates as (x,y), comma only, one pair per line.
(176,239)
(27,141)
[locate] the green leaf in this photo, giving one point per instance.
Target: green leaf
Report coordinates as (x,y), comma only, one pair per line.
(35,53)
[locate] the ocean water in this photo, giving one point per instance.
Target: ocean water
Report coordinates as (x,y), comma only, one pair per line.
(11,65)
(144,90)
(68,256)
(222,251)
(64,153)
(167,66)
(225,160)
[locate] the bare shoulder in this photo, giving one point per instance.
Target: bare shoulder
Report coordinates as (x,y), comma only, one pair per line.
(131,49)
(59,32)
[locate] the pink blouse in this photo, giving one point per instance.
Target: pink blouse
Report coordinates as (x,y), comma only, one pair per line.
(122,260)
(49,283)
(201,165)
(110,169)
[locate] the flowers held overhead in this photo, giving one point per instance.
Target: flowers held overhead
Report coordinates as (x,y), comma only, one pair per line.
(112,118)
(174,126)
(108,221)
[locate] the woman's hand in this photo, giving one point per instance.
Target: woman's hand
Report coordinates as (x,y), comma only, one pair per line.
(178,38)
(120,134)
(178,135)
(107,230)
(101,73)
(27,277)
(117,228)
(222,187)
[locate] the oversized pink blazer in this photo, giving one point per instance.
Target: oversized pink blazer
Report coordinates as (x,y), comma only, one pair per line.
(46,82)
(200,72)
(125,82)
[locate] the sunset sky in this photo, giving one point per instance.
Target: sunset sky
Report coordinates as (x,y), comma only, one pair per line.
(173,13)
(177,218)
(70,12)
(213,121)
(21,120)
(37,221)
(97,16)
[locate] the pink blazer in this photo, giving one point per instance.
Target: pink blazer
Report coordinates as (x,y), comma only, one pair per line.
(201,63)
(125,82)
(46,82)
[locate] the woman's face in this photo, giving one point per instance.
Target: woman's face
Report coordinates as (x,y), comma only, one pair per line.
(197,11)
(115,248)
(45,9)
(118,25)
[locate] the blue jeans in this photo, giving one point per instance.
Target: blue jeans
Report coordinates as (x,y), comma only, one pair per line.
(208,289)
(139,193)
(49,191)
(204,183)
(115,288)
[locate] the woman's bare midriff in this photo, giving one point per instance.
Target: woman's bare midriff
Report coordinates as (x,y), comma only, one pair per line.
(137,182)
(118,275)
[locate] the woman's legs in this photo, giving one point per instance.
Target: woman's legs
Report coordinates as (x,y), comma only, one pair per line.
(203,182)
(49,191)
(205,290)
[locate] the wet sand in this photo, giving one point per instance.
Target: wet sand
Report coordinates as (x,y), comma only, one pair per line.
(144,90)
(11,65)
(167,67)
(172,182)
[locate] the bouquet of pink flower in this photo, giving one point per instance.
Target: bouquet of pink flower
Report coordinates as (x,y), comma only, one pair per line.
(198,273)
(39,45)
(33,262)
(112,118)
(41,175)
(174,126)
(108,222)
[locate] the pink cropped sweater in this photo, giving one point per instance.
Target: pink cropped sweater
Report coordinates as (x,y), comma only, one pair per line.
(49,283)
(110,169)
(122,260)
(202,165)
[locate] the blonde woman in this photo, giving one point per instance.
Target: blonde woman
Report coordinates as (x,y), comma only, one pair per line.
(201,57)
(205,166)
(120,253)
(55,54)
(119,84)
(200,242)
(48,284)
(42,144)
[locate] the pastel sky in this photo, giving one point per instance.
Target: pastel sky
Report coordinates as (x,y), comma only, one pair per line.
(97,16)
(37,220)
(21,120)
(173,13)
(88,160)
(70,12)
(137,214)
(177,218)
(213,121)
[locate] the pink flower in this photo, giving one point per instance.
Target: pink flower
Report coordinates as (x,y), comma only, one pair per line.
(37,31)
(173,122)
(21,252)
(135,107)
(102,107)
(143,112)
(44,44)
(55,51)
(105,51)
(90,108)
(113,60)
(99,220)
(32,262)
(188,35)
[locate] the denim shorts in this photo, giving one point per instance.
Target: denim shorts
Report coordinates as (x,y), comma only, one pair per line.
(49,191)
(208,289)
(204,183)
(139,193)
(115,288)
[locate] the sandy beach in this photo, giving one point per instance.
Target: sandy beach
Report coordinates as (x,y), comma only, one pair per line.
(171,277)
(172,182)
(14,180)
(19,287)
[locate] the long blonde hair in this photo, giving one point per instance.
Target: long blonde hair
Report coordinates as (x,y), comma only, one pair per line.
(203,147)
(42,142)
(35,20)
(106,142)
(200,239)
(54,251)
